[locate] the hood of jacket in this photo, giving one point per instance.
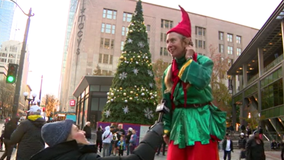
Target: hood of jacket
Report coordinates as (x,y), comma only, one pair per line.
(37,120)
(65,149)
(107,130)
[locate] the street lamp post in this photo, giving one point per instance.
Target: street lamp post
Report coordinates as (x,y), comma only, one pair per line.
(30,100)
(21,65)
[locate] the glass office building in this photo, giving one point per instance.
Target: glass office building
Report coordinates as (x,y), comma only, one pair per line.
(6,19)
(257,79)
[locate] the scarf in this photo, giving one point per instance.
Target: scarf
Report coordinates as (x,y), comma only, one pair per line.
(176,80)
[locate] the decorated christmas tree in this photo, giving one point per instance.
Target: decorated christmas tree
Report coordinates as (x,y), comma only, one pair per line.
(132,96)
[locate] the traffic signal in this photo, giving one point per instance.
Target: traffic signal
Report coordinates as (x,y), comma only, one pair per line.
(12,73)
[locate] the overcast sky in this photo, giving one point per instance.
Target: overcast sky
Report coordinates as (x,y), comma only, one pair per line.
(47,29)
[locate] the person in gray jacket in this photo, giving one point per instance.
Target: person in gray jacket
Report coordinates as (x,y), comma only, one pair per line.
(28,135)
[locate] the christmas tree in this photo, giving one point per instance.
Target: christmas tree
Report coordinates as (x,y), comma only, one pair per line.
(132,96)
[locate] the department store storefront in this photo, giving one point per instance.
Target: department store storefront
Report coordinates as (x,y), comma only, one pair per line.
(91,97)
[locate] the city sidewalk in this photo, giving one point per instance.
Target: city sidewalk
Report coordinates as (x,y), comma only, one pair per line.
(270,155)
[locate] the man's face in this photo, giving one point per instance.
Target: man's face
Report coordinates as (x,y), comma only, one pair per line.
(77,134)
(175,45)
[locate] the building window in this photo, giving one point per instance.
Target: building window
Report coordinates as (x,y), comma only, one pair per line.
(163,37)
(199,43)
(239,51)
(127,17)
(103,28)
(166,23)
(112,44)
(107,43)
(124,31)
(110,59)
(102,43)
(200,31)
(230,50)
(203,44)
(148,27)
(121,45)
(109,14)
(13,49)
(221,36)
(229,37)
(238,39)
(108,28)
(11,60)
(3,59)
(100,58)
(3,54)
(165,51)
(12,55)
(113,29)
(230,62)
(105,59)
(221,48)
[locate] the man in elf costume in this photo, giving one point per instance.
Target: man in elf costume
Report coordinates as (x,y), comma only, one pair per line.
(194,126)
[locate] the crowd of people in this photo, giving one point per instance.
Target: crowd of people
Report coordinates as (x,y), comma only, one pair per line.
(65,140)
(251,146)
(115,141)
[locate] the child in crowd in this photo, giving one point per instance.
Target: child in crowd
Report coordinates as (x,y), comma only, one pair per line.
(121,146)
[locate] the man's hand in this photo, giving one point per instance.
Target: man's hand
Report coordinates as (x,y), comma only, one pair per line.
(189,52)
(166,139)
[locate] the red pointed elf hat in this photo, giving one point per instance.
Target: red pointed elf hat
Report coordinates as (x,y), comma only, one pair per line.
(184,27)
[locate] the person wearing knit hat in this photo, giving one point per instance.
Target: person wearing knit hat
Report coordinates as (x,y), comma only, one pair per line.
(194,123)
(61,137)
(66,142)
(28,134)
(57,132)
(255,147)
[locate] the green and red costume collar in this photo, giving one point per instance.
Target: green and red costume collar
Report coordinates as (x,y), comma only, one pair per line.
(176,79)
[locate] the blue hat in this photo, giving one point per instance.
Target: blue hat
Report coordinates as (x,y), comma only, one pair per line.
(56,132)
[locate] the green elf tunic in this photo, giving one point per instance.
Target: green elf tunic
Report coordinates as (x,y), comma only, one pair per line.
(187,125)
